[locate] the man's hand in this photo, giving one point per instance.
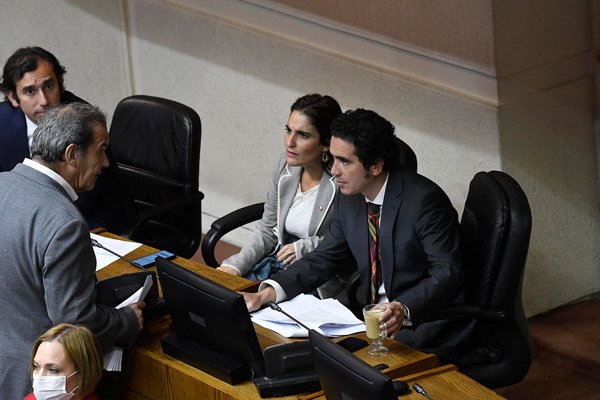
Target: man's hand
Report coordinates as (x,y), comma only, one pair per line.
(393,316)
(137,309)
(287,254)
(229,270)
(255,301)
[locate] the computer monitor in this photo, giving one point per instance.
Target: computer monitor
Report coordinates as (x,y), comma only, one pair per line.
(345,376)
(211,327)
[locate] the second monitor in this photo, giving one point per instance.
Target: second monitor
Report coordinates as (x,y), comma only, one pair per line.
(345,376)
(211,327)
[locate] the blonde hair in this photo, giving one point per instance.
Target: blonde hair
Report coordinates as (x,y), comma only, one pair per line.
(81,347)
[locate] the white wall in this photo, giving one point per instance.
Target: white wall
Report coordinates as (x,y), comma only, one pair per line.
(242,84)
(547,141)
(548,146)
(242,79)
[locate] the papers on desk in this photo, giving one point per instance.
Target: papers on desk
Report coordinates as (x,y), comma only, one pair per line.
(328,317)
(140,294)
(121,247)
(114,355)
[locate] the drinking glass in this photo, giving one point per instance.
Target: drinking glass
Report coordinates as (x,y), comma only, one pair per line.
(376,330)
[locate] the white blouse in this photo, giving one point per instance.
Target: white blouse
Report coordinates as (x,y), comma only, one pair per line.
(298,217)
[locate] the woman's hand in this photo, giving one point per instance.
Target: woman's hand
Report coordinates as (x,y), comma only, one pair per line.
(229,270)
(287,254)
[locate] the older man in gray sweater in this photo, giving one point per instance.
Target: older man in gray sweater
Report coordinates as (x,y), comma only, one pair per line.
(47,265)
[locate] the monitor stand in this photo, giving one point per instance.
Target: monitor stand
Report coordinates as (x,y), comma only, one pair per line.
(216,364)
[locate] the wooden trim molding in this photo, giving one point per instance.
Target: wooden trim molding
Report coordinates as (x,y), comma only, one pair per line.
(350,44)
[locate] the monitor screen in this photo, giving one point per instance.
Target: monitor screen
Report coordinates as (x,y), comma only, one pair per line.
(345,376)
(210,315)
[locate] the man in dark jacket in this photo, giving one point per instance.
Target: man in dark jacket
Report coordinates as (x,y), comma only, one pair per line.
(32,83)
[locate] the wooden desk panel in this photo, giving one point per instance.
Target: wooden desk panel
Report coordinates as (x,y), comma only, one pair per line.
(155,375)
(401,359)
(447,383)
(444,382)
(120,267)
(152,375)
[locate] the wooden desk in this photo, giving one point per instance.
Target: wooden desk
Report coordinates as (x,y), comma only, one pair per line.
(151,374)
(447,383)
(120,267)
(444,382)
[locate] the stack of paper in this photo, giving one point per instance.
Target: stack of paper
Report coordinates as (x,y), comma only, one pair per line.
(113,356)
(328,317)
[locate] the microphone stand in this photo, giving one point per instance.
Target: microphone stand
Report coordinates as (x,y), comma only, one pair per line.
(97,244)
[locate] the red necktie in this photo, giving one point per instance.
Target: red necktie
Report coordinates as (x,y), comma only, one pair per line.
(374,255)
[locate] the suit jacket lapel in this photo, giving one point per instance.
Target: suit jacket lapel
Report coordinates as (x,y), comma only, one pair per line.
(354,219)
(323,202)
(391,205)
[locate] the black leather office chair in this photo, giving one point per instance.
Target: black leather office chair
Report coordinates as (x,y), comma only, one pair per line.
(253,212)
(495,232)
(155,143)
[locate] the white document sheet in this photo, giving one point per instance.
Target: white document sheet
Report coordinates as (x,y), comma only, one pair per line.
(328,317)
(121,247)
(114,355)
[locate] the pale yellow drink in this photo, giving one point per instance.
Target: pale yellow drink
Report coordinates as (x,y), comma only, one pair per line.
(372,323)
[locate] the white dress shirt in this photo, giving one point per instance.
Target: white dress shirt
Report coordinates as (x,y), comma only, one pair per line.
(53,175)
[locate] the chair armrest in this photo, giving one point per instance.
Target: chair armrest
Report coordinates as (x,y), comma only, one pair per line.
(226,224)
(238,218)
(174,205)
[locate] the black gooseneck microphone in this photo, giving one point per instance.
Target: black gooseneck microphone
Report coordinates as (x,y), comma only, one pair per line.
(97,244)
(277,308)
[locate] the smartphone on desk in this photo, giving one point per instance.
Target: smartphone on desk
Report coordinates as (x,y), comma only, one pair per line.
(148,261)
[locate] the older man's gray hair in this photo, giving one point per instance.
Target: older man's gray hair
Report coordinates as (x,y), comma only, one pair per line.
(65,124)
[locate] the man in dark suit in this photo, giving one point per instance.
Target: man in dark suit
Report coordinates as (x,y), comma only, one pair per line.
(419,263)
(33,82)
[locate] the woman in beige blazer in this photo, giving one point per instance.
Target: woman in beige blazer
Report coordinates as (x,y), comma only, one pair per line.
(301,192)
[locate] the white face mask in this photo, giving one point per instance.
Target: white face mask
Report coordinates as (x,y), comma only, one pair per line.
(52,387)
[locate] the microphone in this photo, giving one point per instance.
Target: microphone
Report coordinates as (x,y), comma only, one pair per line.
(97,244)
(277,308)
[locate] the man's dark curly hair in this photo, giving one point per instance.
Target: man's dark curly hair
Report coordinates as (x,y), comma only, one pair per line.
(26,60)
(372,136)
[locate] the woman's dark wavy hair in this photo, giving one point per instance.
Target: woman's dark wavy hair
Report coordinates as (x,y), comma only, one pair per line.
(321,110)
(26,60)
(372,136)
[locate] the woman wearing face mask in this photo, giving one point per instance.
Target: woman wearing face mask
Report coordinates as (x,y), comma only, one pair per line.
(66,364)
(301,193)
